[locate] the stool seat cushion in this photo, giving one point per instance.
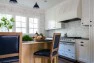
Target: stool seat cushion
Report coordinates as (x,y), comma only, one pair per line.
(44,52)
(9,59)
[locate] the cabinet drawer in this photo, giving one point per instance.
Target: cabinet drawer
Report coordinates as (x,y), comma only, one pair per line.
(83,43)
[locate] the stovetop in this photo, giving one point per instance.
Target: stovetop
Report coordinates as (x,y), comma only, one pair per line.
(71,37)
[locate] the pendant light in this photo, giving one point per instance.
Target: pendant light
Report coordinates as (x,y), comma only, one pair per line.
(13,1)
(36,5)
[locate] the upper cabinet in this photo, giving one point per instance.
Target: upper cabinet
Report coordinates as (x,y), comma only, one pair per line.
(51,19)
(85,12)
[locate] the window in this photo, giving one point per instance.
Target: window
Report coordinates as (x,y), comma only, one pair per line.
(8,17)
(33,25)
(20,24)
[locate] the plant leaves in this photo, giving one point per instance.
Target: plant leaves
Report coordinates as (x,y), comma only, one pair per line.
(12,19)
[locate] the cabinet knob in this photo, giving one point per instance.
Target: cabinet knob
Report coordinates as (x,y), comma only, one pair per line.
(82,42)
(82,45)
(90,21)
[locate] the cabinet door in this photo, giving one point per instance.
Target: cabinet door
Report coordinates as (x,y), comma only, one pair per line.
(47,17)
(50,19)
(83,50)
(85,12)
(57,23)
(92,30)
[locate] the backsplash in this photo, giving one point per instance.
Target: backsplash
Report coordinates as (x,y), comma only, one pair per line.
(73,29)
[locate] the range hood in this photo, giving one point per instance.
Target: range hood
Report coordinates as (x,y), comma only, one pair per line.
(71,10)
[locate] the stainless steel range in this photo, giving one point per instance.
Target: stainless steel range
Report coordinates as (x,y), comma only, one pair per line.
(67,47)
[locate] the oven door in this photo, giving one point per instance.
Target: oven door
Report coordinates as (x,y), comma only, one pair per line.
(67,49)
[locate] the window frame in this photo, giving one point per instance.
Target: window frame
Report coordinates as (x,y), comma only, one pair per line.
(21,24)
(33,25)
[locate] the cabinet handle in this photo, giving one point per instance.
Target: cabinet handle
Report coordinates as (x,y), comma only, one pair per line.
(90,25)
(82,45)
(82,42)
(90,21)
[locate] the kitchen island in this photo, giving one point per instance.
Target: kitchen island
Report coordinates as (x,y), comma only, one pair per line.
(29,47)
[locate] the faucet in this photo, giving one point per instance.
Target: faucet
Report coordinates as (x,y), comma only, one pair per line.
(65,35)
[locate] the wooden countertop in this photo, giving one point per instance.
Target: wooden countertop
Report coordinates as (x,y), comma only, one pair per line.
(34,42)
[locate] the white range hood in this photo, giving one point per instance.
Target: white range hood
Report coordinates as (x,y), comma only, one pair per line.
(70,10)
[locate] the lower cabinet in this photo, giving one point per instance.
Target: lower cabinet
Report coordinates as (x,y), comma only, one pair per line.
(79,51)
(82,50)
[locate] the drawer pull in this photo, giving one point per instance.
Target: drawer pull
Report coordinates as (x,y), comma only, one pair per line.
(82,45)
(82,42)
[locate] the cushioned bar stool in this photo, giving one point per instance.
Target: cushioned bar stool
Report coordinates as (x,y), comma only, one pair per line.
(52,52)
(10,45)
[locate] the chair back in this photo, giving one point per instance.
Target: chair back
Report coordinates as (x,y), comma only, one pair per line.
(10,44)
(55,43)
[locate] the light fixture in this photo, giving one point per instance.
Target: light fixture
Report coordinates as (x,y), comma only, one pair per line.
(13,1)
(45,0)
(36,5)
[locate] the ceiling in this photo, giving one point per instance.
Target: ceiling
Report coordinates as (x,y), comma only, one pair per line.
(30,3)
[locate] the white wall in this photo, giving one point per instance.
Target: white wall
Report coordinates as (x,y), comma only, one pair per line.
(73,29)
(22,11)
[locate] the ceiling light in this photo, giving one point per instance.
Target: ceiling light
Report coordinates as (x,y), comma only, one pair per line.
(13,1)
(45,0)
(36,5)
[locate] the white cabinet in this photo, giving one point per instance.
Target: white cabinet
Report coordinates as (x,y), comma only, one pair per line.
(82,50)
(85,12)
(92,31)
(51,17)
(50,20)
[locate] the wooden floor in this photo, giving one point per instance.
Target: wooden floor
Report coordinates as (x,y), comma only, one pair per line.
(64,61)
(60,61)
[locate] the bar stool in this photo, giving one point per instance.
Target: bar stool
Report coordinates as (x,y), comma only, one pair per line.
(52,52)
(10,47)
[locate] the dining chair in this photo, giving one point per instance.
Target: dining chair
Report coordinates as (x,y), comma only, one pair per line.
(52,52)
(10,47)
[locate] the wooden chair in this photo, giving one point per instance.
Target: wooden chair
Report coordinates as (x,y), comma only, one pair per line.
(10,47)
(52,52)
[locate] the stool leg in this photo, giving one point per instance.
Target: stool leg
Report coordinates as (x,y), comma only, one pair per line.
(34,59)
(54,60)
(57,59)
(51,60)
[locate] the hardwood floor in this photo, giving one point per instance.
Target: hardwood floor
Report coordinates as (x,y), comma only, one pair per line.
(64,61)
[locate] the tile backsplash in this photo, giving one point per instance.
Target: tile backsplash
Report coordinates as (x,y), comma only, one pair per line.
(73,29)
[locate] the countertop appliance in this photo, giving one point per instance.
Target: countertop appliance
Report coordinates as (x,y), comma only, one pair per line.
(67,47)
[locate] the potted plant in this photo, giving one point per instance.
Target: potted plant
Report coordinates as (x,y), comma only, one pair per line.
(27,38)
(8,24)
